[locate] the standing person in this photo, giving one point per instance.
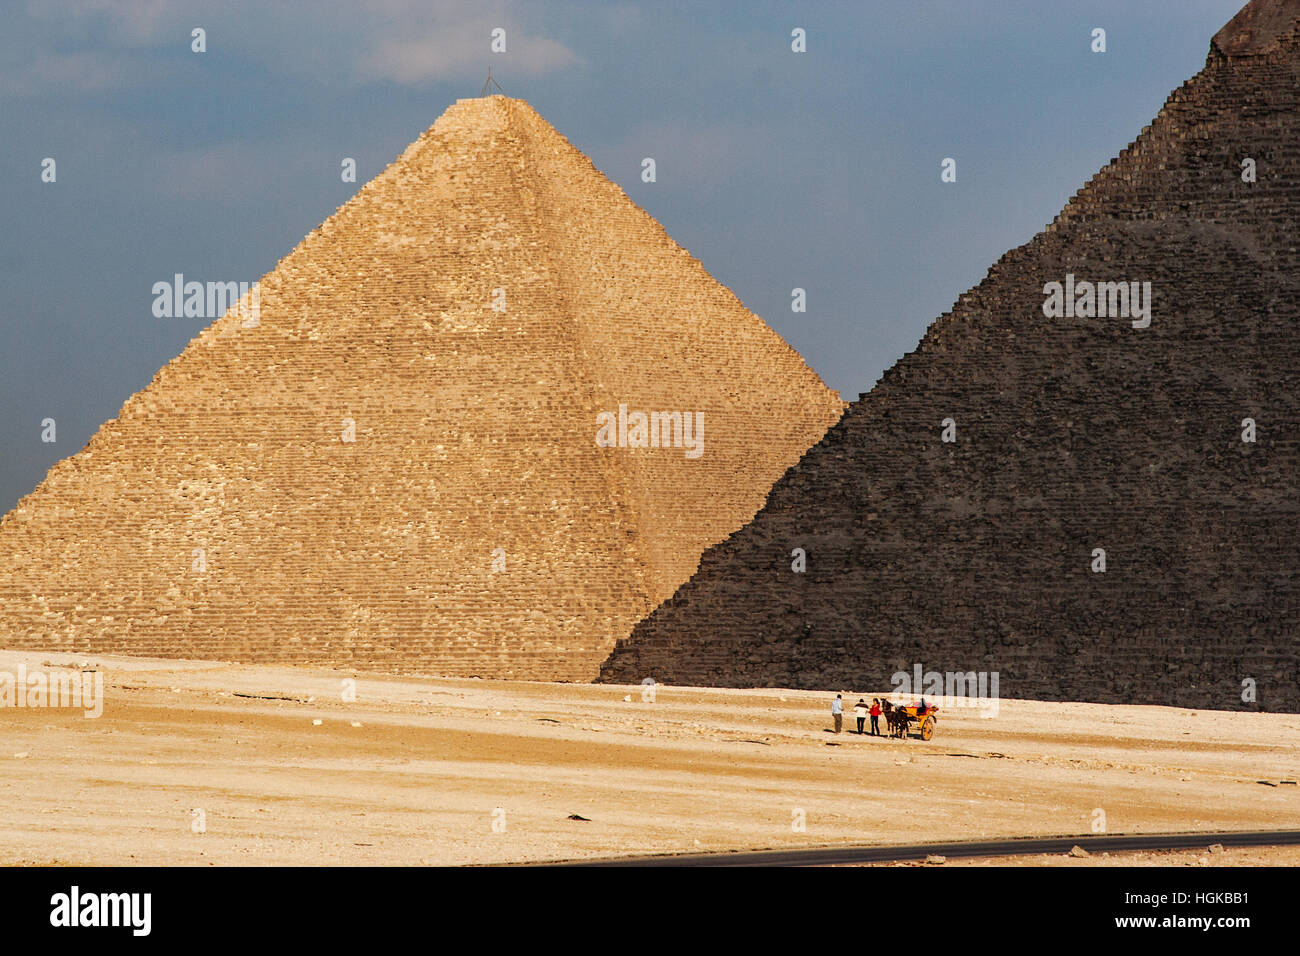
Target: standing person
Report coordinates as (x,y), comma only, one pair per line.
(875,716)
(837,711)
(860,712)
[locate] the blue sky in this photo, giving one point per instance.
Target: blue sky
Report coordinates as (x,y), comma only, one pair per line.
(818,170)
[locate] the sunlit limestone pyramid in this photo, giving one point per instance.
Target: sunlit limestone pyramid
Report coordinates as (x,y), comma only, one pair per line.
(1100,527)
(468,315)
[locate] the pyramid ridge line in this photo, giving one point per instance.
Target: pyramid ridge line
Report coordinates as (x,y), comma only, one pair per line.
(1284,46)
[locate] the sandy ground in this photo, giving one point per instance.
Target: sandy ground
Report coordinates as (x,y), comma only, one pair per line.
(452,771)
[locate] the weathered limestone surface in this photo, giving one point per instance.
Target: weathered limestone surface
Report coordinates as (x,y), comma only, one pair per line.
(475,430)
(1072,434)
(1257,27)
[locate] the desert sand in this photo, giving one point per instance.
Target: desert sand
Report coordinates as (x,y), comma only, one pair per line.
(463,771)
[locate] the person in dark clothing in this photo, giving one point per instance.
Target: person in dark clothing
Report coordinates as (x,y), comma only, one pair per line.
(875,716)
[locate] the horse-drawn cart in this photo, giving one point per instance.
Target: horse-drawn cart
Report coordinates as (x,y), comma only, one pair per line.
(911,714)
(926,720)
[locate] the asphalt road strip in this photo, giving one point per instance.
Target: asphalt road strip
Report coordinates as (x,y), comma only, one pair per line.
(1017,846)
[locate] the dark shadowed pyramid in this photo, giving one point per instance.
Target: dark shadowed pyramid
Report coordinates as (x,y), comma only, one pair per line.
(466,317)
(1072,434)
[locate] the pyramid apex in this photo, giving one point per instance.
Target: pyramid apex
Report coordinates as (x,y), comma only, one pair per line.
(478,111)
(1257,27)
(491,99)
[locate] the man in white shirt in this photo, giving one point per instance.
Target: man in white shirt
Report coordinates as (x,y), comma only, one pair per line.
(837,711)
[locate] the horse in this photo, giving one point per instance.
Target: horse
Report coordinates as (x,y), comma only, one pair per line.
(897,720)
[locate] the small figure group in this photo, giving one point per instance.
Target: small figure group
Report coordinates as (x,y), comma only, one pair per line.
(860,711)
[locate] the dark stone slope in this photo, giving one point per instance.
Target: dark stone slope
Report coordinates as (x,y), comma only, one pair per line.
(1071,434)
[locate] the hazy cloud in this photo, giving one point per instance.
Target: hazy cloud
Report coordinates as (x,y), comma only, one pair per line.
(408,42)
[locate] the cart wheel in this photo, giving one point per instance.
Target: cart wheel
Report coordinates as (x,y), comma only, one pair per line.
(927,728)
